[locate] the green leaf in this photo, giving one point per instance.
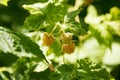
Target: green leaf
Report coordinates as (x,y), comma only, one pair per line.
(56,47)
(114,27)
(7,59)
(75,28)
(42,66)
(72,25)
(37,8)
(4,2)
(115,12)
(65,72)
(19,44)
(88,70)
(54,76)
(102,34)
(91,15)
(71,16)
(59,12)
(34,22)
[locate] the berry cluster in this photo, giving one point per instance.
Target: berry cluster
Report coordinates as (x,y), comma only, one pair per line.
(68,45)
(66,38)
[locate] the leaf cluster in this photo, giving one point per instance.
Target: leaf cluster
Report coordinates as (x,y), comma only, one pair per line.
(103,26)
(22,52)
(82,70)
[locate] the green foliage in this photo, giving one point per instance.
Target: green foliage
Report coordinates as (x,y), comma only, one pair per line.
(18,44)
(43,15)
(73,26)
(92,70)
(103,26)
(82,70)
(23,56)
(21,51)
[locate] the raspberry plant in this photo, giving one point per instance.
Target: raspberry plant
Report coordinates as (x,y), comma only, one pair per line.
(57,43)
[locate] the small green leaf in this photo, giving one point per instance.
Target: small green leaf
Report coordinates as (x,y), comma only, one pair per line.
(37,8)
(34,22)
(75,28)
(71,16)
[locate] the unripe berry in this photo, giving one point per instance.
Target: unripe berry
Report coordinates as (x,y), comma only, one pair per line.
(48,39)
(68,48)
(66,38)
